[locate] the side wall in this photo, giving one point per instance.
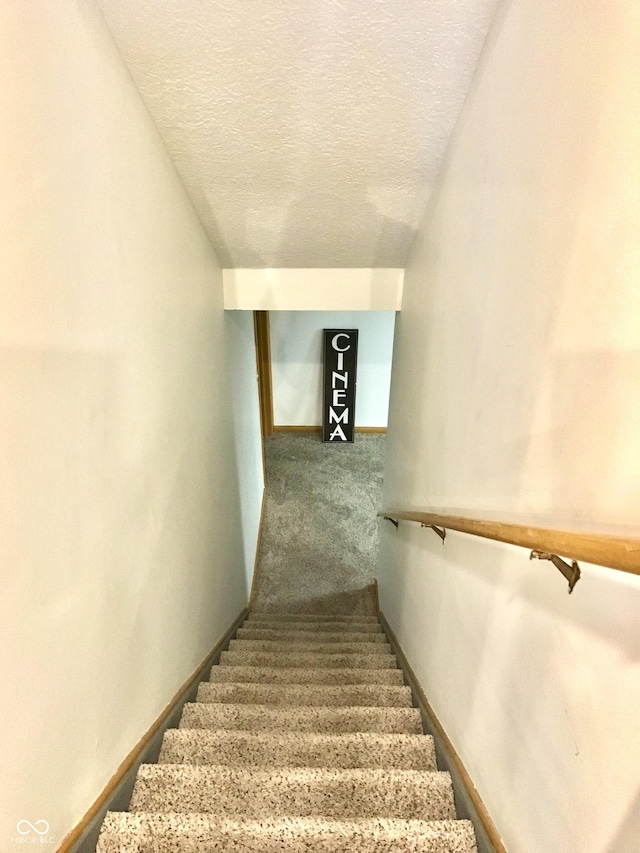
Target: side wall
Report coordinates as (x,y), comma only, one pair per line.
(245,406)
(515,393)
(121,541)
(296,363)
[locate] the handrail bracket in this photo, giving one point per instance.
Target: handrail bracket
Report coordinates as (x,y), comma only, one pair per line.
(441,531)
(571,572)
(395,523)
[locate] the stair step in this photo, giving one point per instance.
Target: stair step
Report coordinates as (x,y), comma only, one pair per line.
(299,749)
(201,715)
(295,792)
(304,659)
(297,675)
(124,832)
(377,695)
(309,636)
(316,627)
(316,648)
(309,617)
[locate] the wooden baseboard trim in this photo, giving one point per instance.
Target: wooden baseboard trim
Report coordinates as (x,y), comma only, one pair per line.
(83,836)
(285,428)
(263,365)
(467,797)
(376,597)
(256,563)
(361,430)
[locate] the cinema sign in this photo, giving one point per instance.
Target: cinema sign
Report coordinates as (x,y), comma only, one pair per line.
(339,404)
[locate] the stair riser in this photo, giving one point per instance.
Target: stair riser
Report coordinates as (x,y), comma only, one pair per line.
(136,833)
(309,636)
(321,720)
(250,694)
(308,661)
(316,627)
(308,617)
(340,794)
(268,750)
(310,648)
(266,675)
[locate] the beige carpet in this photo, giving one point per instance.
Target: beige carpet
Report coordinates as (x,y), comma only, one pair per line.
(303,740)
(320,538)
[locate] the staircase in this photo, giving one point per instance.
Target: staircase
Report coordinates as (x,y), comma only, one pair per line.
(303,740)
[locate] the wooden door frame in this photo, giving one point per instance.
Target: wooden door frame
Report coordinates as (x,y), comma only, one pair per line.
(263,365)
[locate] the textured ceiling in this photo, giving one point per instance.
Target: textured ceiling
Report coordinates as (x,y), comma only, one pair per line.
(307,132)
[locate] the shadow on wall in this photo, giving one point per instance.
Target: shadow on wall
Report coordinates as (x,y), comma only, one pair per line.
(626,839)
(316,230)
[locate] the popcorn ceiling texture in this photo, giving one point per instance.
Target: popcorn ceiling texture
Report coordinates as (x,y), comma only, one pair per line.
(307,134)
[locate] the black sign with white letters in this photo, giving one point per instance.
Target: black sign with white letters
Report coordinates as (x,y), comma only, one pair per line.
(339,407)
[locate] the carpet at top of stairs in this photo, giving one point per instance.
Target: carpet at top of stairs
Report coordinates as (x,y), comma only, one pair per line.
(292,746)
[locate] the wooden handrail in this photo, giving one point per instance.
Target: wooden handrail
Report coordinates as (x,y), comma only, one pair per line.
(613,552)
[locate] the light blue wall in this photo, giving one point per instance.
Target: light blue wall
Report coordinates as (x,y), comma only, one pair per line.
(296,358)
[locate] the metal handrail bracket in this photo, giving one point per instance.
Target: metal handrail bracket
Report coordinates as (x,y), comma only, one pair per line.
(571,572)
(441,531)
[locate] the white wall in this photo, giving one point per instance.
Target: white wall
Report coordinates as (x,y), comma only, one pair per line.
(323,289)
(515,393)
(121,542)
(243,378)
(296,364)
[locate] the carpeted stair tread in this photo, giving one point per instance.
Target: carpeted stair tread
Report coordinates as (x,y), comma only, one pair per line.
(296,792)
(309,617)
(201,715)
(304,739)
(144,832)
(298,675)
(298,749)
(316,648)
(304,694)
(316,627)
(309,636)
(308,660)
